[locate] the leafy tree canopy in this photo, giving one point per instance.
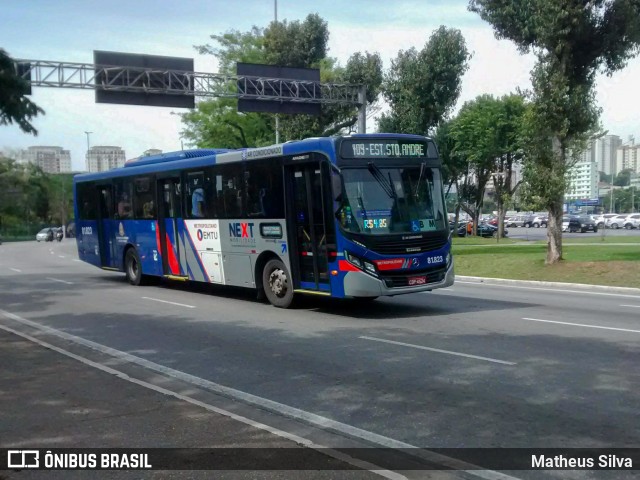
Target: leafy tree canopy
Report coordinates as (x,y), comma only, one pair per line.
(572,40)
(216,123)
(422,86)
(14,106)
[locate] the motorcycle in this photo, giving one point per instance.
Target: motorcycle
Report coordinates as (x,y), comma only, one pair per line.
(59,236)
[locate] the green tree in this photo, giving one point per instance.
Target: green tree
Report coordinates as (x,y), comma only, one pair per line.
(216,123)
(60,194)
(509,125)
(605,178)
(422,86)
(475,136)
(572,40)
(454,165)
(14,106)
(623,178)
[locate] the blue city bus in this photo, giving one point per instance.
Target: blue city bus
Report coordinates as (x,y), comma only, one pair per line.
(357,216)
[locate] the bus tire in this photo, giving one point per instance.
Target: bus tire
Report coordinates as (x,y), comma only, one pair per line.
(277,284)
(133,267)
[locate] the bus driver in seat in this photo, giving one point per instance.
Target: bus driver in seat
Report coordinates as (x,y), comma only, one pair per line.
(197,203)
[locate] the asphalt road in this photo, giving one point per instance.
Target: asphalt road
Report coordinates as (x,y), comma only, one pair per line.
(470,366)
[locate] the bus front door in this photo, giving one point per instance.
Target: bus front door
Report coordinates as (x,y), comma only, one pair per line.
(169,214)
(308,219)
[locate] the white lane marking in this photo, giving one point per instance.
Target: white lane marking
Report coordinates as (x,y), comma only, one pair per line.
(171,303)
(581,325)
(275,431)
(270,405)
(61,256)
(77,260)
(631,306)
(584,292)
(15,269)
(58,280)
(437,350)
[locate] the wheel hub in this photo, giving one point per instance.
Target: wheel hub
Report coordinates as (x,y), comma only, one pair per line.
(278,282)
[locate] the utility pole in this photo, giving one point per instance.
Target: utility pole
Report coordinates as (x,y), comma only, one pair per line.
(275,16)
(87,156)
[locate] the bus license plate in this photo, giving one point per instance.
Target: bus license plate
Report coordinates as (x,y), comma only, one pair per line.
(417,280)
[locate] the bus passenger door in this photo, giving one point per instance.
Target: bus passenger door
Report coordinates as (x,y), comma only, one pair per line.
(168,237)
(105,234)
(309,239)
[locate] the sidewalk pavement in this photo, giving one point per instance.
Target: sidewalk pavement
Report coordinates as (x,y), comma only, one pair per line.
(48,400)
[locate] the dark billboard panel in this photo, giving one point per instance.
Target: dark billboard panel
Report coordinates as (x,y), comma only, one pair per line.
(291,87)
(163,78)
(23,69)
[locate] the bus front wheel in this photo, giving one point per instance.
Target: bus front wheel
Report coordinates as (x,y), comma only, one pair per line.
(132,267)
(277,284)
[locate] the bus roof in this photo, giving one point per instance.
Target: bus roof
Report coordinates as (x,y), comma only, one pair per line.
(204,157)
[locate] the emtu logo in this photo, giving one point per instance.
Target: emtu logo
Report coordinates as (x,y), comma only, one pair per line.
(23,459)
(241,230)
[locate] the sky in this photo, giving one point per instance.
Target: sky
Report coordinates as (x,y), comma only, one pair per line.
(69,31)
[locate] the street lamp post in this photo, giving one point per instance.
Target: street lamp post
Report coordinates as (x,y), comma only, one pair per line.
(87,155)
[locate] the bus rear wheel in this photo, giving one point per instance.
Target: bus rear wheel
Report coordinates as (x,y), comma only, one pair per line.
(132,267)
(277,284)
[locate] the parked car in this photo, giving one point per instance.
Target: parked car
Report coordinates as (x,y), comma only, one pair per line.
(485,230)
(616,222)
(582,224)
(536,221)
(516,221)
(632,221)
(606,219)
(599,219)
(565,224)
(45,235)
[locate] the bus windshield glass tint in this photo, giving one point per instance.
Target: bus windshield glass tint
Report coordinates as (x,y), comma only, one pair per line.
(391,200)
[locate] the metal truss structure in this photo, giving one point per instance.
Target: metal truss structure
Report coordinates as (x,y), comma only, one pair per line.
(43,73)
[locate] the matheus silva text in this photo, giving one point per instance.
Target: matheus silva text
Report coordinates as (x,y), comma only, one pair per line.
(560,461)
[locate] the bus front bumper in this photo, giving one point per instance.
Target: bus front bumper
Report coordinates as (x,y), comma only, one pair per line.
(360,284)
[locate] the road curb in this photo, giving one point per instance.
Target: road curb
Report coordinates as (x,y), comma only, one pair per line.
(533,283)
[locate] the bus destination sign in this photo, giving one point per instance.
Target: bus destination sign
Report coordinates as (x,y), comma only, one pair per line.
(380,148)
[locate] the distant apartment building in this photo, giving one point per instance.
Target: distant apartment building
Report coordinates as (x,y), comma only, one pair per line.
(583,180)
(605,151)
(50,159)
(516,176)
(628,157)
(102,158)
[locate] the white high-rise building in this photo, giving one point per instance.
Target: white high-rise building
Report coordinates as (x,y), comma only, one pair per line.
(583,180)
(605,153)
(628,157)
(50,159)
(101,158)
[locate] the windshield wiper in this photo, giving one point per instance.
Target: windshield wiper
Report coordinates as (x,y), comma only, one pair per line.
(387,186)
(423,167)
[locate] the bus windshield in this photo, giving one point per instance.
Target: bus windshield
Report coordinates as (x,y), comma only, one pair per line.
(392,200)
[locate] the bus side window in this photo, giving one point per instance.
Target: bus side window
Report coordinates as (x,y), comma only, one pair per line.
(144,198)
(198,194)
(264,189)
(123,190)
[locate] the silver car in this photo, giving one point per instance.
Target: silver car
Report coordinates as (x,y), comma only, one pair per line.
(632,221)
(616,222)
(45,235)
